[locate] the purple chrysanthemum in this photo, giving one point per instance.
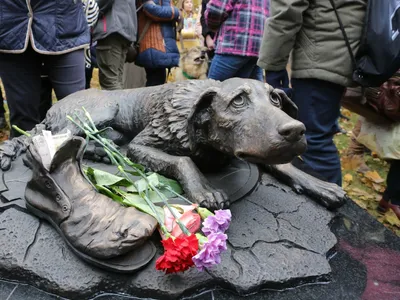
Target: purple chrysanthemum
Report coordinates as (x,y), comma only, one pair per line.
(218,222)
(210,255)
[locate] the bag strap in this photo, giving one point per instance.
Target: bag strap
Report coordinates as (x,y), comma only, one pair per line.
(146,27)
(353,59)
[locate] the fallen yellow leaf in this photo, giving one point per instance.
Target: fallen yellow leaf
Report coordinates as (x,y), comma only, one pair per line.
(348,178)
(391,218)
(374,176)
(377,187)
(361,203)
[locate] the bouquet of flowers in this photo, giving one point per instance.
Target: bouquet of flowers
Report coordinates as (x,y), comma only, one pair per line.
(191,235)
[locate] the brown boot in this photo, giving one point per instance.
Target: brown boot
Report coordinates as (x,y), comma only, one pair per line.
(98,229)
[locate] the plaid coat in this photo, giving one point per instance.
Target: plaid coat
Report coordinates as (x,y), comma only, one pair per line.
(239,25)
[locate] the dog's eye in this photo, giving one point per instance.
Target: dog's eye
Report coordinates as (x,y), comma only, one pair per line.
(275,99)
(239,102)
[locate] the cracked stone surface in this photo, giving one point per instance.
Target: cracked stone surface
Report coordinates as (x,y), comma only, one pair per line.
(277,239)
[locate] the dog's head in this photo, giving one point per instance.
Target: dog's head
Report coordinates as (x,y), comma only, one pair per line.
(194,61)
(248,119)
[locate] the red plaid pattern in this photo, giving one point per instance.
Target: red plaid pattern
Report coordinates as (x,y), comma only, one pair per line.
(239,25)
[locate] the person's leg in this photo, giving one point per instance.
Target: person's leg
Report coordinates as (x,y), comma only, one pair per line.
(227,66)
(111,54)
(319,106)
(3,123)
(155,76)
(67,72)
(88,77)
(250,69)
(257,73)
(46,89)
(391,196)
(45,96)
(392,192)
(20,74)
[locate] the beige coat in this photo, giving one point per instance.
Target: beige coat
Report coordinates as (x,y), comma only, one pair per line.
(310,28)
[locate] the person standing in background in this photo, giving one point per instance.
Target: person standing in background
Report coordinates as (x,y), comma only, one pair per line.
(321,68)
(158,50)
(208,34)
(3,123)
(114,32)
(91,9)
(50,32)
(239,27)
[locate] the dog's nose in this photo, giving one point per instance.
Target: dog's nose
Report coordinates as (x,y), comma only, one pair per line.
(292,131)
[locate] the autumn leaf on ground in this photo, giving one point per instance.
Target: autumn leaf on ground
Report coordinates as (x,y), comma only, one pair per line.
(378,188)
(351,162)
(360,193)
(374,177)
(361,203)
(391,218)
(348,178)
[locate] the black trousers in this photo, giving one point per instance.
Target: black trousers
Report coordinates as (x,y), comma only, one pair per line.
(392,191)
(2,110)
(155,76)
(21,76)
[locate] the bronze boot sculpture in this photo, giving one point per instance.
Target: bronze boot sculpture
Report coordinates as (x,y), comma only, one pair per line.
(97,229)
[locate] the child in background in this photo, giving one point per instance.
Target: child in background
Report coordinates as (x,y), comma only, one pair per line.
(191,27)
(92,13)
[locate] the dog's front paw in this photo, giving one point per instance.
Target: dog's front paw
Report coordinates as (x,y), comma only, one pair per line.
(328,194)
(96,152)
(209,197)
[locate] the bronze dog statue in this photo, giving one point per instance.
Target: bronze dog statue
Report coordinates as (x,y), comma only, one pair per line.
(177,128)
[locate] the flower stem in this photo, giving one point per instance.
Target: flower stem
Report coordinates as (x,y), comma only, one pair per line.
(118,159)
(20,130)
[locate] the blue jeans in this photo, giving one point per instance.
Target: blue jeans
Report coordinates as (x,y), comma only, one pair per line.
(227,66)
(319,108)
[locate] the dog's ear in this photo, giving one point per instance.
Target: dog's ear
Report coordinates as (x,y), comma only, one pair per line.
(200,115)
(288,105)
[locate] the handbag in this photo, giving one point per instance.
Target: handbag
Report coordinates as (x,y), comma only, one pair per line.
(379,105)
(386,99)
(133,49)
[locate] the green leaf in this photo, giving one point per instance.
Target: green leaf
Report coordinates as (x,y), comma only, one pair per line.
(109,193)
(173,184)
(89,172)
(142,184)
(133,172)
(138,202)
(107,179)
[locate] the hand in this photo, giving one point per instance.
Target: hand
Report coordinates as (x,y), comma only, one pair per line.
(209,42)
(279,80)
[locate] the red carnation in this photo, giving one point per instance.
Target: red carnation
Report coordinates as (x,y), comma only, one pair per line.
(178,254)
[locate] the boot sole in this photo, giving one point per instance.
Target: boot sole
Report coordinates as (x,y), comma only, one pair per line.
(126,263)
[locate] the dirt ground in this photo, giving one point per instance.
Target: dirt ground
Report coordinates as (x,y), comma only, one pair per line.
(364,188)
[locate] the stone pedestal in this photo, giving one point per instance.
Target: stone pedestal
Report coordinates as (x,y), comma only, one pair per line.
(277,240)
